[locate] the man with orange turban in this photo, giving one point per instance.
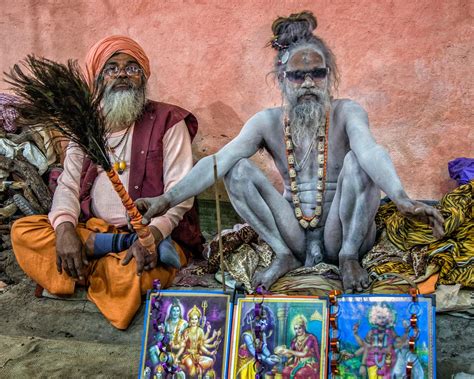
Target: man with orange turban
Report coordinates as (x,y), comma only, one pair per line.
(84,239)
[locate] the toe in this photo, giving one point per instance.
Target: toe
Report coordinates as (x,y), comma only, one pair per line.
(365,283)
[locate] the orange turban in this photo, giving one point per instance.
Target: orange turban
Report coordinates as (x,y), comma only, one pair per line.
(101,52)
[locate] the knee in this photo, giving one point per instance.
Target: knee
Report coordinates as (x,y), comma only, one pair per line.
(351,163)
(22,228)
(238,175)
(353,173)
(240,170)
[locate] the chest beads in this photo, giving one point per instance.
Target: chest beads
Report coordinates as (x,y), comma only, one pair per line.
(322,155)
(120,164)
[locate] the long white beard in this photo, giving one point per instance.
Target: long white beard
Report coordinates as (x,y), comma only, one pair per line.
(121,108)
(305,119)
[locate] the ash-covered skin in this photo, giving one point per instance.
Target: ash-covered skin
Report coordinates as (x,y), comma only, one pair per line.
(357,169)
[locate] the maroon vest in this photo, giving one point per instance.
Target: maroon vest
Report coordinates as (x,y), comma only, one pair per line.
(146,168)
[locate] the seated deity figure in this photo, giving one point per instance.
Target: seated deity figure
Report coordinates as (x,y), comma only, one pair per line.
(198,350)
(303,354)
(331,166)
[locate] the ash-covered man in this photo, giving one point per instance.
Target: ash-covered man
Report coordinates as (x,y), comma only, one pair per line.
(332,168)
(150,145)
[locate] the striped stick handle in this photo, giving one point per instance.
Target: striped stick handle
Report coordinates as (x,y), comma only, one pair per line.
(143,231)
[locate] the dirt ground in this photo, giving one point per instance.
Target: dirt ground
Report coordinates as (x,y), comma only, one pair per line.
(47,338)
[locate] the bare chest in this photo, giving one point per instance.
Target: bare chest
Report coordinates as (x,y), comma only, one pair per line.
(307,157)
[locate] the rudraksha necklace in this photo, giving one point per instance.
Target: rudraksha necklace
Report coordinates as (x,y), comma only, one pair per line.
(322,148)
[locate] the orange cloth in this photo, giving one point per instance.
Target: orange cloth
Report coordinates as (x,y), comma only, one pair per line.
(115,289)
(100,53)
(429,285)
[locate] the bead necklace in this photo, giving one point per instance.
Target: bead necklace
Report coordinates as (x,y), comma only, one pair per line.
(322,147)
(112,148)
(120,165)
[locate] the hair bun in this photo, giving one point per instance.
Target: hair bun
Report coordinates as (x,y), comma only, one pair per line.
(287,30)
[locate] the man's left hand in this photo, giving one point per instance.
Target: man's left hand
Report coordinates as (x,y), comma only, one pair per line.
(424,213)
(146,261)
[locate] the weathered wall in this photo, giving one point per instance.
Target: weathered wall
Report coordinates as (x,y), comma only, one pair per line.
(408,63)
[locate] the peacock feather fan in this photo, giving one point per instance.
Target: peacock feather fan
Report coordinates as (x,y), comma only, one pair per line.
(57,96)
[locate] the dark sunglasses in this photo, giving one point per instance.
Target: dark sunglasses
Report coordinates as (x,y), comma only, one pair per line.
(300,76)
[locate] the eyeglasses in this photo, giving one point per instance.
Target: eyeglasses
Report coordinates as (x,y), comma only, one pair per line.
(131,69)
(300,76)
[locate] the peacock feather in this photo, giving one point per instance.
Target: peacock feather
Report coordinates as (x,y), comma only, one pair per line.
(57,96)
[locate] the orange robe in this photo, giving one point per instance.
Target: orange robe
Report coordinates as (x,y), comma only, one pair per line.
(115,289)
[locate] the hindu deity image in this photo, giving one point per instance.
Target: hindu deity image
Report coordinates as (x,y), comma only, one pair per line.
(303,354)
(378,347)
(253,344)
(198,348)
(187,336)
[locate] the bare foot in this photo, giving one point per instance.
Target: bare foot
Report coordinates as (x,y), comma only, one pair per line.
(279,267)
(354,277)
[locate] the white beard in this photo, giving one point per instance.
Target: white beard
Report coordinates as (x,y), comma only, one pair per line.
(307,115)
(122,108)
(305,119)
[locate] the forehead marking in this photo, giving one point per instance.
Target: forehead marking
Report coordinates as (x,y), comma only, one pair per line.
(306,59)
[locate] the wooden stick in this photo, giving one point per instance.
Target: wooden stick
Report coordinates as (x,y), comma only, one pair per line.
(218,215)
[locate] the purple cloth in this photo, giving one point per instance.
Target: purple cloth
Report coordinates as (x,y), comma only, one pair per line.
(8,114)
(461,170)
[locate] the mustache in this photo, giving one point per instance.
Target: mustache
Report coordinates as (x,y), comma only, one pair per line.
(120,82)
(317,93)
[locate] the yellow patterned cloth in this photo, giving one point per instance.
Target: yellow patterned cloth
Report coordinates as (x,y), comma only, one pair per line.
(411,249)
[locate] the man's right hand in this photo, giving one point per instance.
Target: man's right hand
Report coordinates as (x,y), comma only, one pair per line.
(151,207)
(70,255)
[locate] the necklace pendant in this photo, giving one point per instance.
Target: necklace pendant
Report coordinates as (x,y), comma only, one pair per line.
(121,166)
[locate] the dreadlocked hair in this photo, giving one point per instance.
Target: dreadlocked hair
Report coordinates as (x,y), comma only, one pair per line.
(295,32)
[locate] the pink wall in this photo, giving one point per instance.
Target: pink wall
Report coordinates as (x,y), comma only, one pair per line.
(408,62)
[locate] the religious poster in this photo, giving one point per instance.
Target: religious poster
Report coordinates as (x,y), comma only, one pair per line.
(381,336)
(186,335)
(279,337)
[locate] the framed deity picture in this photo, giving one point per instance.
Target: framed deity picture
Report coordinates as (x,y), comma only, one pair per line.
(383,336)
(186,335)
(287,335)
